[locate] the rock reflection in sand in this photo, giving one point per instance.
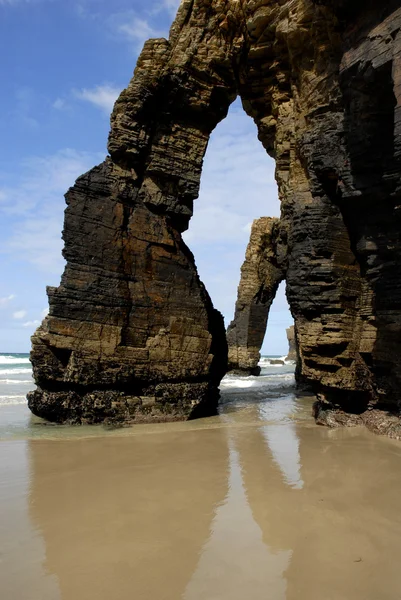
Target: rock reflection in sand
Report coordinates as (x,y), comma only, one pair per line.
(236,563)
(256,503)
(127,517)
(283,440)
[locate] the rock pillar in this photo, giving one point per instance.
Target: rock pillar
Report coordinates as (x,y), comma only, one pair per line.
(261,275)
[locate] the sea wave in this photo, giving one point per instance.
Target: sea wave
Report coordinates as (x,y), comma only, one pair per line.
(273,362)
(14,372)
(14,381)
(268,381)
(13,360)
(10,400)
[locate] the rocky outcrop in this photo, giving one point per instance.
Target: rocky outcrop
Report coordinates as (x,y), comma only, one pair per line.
(121,341)
(292,347)
(261,275)
(131,330)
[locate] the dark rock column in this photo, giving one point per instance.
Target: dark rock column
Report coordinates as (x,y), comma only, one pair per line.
(261,275)
(329,116)
(132,333)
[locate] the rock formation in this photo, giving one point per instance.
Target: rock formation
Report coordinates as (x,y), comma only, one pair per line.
(261,275)
(292,347)
(131,330)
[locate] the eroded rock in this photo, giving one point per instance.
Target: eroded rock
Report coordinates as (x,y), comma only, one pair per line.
(322,80)
(292,346)
(261,275)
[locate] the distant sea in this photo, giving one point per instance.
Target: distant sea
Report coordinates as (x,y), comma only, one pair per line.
(15,378)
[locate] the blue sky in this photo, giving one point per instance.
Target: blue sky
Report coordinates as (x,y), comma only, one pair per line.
(63,64)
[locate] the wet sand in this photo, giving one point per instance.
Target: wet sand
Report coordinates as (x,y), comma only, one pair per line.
(258,503)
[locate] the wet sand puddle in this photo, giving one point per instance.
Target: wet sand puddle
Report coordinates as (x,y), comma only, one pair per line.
(258,503)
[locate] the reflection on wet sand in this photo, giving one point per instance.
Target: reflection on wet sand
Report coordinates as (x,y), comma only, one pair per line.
(342,525)
(256,504)
(236,563)
(127,518)
(22,550)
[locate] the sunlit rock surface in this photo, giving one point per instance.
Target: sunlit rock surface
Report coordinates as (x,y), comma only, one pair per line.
(131,332)
(261,275)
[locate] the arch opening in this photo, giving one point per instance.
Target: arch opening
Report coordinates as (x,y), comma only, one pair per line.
(237,187)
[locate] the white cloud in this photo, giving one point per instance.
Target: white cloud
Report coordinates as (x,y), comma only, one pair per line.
(133,28)
(35,207)
(171,6)
(19,314)
(237,185)
(5,301)
(44,312)
(31,324)
(59,104)
(138,29)
(101,96)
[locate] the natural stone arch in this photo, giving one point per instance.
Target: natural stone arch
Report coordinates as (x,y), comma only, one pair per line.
(261,274)
(131,331)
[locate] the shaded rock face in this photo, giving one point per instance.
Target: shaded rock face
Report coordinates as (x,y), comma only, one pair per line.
(261,275)
(131,330)
(132,333)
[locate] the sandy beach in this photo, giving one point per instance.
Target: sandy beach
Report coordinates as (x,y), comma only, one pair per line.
(256,503)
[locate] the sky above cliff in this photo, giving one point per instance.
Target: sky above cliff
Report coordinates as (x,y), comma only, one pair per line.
(63,64)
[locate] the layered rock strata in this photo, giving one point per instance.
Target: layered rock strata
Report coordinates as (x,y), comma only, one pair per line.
(261,275)
(292,347)
(131,330)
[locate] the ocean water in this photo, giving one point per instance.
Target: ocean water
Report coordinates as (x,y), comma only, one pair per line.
(257,502)
(273,392)
(15,379)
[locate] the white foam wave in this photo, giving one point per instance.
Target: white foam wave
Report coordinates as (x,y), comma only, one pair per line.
(10,400)
(275,362)
(267,381)
(13,360)
(14,381)
(14,372)
(237,383)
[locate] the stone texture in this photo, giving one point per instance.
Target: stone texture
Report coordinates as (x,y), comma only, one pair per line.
(292,347)
(261,275)
(322,80)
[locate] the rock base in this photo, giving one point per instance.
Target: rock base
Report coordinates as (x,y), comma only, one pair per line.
(244,372)
(382,422)
(162,403)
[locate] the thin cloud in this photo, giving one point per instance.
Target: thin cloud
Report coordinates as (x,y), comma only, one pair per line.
(237,186)
(101,96)
(19,314)
(171,6)
(5,301)
(15,2)
(34,323)
(25,100)
(35,207)
(133,28)
(60,104)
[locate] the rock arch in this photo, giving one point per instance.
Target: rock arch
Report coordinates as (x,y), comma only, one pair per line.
(261,274)
(131,331)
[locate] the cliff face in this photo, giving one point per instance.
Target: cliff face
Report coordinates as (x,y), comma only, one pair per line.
(260,277)
(131,330)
